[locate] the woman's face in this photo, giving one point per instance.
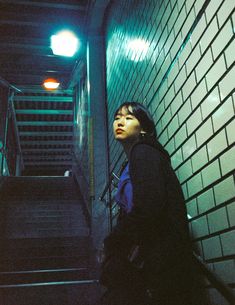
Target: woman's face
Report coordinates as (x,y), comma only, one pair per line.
(126,127)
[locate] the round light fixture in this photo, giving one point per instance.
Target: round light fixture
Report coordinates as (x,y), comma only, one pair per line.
(64,43)
(51,84)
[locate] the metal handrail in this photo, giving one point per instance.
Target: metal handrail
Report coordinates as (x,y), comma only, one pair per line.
(108,185)
(79,282)
(8,85)
(215,280)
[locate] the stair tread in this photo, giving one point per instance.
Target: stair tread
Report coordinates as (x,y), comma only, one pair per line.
(40,202)
(47,241)
(45,263)
(22,188)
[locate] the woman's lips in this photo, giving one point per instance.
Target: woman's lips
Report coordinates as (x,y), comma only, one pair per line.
(119,130)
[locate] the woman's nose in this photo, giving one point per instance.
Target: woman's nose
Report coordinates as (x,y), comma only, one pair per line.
(120,122)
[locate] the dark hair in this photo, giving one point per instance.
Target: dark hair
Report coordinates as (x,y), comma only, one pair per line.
(143,116)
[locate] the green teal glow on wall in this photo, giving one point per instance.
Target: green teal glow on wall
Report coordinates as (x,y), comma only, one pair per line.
(136,49)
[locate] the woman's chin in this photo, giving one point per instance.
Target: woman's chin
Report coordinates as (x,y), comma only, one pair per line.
(119,137)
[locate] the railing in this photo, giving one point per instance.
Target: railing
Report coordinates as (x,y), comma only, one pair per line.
(8,85)
(24,285)
(110,203)
(10,113)
(213,278)
(108,185)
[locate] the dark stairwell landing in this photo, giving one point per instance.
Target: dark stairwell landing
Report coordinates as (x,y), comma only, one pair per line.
(46,249)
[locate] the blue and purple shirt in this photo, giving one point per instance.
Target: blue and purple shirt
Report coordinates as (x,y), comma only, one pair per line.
(124,195)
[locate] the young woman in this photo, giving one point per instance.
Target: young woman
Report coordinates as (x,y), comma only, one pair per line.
(148,255)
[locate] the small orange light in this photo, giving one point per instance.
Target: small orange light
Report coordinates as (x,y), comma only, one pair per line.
(51,84)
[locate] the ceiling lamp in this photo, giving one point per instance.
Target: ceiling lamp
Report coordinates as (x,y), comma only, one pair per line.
(51,84)
(64,43)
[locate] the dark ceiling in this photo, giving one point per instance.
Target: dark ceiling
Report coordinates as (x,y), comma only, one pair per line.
(25,29)
(44,119)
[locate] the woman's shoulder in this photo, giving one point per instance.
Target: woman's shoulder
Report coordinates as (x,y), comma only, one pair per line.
(151,155)
(144,150)
(142,146)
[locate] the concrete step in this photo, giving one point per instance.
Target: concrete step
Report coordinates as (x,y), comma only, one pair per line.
(40,253)
(41,203)
(34,213)
(44,220)
(39,243)
(42,295)
(52,217)
(43,209)
(55,217)
(54,250)
(44,214)
(21,188)
(35,263)
(35,232)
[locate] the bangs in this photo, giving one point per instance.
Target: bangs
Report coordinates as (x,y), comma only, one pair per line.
(128,107)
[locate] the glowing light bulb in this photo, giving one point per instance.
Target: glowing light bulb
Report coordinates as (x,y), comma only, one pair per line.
(51,84)
(65,43)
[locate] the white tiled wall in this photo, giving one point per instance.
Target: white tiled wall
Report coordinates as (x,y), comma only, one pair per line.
(187,79)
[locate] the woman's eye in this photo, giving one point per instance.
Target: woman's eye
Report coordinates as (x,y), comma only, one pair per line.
(116,118)
(129,117)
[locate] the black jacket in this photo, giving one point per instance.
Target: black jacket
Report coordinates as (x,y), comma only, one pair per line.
(158,224)
(158,218)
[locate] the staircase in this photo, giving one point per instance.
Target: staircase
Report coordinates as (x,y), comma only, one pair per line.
(45,244)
